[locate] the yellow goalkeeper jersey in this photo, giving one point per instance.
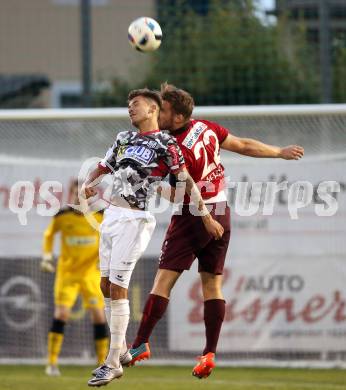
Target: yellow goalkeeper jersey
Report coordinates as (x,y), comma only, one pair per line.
(79,241)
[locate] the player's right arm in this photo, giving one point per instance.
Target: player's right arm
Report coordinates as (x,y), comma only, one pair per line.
(253,148)
(177,166)
(88,187)
(105,166)
(213,227)
(47,262)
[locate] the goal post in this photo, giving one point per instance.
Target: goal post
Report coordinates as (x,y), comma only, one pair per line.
(285,123)
(285,273)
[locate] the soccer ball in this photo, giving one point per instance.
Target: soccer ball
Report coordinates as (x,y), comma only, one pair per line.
(145,34)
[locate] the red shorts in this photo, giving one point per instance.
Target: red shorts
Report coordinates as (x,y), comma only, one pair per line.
(187,238)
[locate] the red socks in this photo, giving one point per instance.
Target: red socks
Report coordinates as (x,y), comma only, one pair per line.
(214,313)
(154,309)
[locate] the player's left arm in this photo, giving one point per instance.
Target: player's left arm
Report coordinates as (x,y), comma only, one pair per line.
(47,261)
(213,227)
(253,148)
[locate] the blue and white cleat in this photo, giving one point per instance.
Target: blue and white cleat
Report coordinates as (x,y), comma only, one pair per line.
(105,375)
(125,359)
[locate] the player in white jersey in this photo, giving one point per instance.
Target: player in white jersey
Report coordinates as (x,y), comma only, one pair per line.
(137,160)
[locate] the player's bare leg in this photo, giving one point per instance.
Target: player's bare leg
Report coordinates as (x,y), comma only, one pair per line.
(214,312)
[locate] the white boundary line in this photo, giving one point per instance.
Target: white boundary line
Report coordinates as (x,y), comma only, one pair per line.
(205,111)
(13,160)
(261,363)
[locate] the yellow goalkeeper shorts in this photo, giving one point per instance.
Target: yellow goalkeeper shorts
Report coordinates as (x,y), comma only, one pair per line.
(68,287)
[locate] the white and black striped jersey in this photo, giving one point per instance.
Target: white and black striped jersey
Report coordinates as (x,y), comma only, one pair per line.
(139,160)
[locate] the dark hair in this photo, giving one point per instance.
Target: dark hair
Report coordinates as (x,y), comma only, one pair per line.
(180,100)
(74,183)
(147,93)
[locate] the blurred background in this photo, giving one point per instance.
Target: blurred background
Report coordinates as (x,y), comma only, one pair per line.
(73,53)
(285,278)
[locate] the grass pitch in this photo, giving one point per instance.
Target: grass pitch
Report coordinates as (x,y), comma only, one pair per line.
(175,378)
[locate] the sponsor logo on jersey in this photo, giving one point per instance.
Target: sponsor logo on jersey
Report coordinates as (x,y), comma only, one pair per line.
(216,174)
(194,134)
(152,144)
(80,240)
(93,300)
(138,153)
(121,151)
(174,155)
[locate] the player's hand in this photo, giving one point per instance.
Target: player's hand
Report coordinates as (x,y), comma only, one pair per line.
(213,227)
(87,192)
(47,264)
(292,152)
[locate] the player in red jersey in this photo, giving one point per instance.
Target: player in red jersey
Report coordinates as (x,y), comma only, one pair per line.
(200,142)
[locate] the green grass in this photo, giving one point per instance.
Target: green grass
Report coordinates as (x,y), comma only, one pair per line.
(176,378)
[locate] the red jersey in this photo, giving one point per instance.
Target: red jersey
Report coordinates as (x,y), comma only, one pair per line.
(200,143)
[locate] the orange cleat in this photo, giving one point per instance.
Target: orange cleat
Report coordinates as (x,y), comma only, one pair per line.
(142,352)
(205,365)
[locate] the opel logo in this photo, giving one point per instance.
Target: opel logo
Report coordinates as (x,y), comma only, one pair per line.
(20,302)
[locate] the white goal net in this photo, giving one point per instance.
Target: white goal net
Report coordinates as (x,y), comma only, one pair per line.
(285,276)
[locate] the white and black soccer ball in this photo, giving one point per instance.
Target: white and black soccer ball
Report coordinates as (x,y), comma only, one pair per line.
(145,34)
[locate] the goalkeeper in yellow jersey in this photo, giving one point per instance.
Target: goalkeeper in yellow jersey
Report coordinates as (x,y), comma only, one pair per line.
(76,273)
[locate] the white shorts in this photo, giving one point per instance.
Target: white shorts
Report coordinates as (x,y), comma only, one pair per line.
(125,234)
